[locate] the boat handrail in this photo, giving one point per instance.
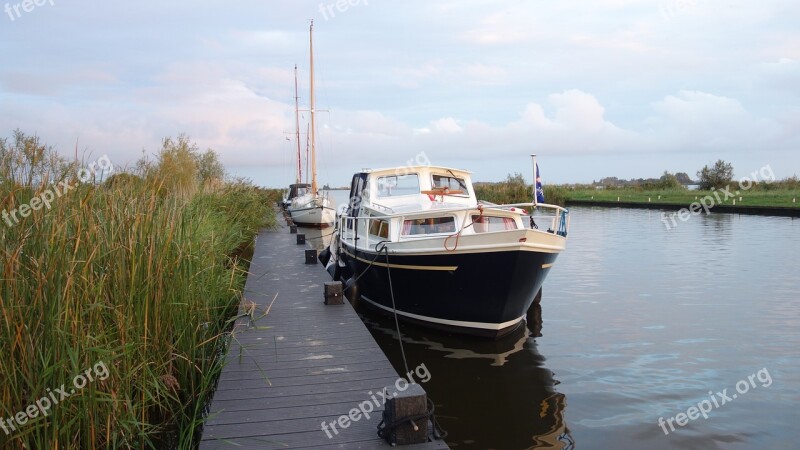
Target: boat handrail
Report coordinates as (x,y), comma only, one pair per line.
(485,207)
(559,221)
(391,211)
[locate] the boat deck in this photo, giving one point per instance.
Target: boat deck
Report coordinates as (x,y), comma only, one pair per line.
(299,366)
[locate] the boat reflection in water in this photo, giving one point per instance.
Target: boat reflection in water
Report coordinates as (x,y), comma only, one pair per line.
(488,394)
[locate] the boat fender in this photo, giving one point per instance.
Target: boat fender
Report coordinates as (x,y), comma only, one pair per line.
(324,256)
(351,290)
(337,272)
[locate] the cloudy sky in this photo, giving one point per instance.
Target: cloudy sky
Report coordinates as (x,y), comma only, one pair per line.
(597,88)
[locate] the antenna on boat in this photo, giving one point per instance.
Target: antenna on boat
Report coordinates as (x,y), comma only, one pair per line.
(535,174)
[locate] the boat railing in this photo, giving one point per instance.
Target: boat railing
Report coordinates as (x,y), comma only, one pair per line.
(385,208)
(556,216)
(355,231)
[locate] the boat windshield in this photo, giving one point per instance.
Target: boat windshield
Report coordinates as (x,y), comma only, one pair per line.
(397,185)
(451,182)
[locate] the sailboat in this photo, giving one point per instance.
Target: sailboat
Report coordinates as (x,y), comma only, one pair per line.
(299,188)
(306,205)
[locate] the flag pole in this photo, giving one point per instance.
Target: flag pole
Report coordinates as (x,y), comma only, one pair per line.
(533,157)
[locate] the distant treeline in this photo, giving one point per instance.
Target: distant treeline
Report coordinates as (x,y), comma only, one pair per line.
(514,189)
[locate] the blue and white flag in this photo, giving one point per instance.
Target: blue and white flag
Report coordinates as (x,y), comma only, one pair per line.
(539,188)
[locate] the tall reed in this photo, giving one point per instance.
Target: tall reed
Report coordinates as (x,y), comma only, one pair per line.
(515,190)
(128,274)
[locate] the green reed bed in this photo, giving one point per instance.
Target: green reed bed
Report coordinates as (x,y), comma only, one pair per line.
(128,283)
(514,190)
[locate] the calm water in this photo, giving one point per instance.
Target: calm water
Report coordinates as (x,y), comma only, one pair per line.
(637,323)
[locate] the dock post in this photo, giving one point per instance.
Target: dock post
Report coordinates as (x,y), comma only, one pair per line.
(311,255)
(400,429)
(301,239)
(293,229)
(334,293)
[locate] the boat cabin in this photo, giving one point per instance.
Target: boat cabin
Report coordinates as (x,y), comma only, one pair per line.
(407,189)
(298,190)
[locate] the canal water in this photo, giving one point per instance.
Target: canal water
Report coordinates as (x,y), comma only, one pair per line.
(638,324)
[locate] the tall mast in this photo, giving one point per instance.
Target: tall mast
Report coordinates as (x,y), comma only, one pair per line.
(308,145)
(313,124)
(297,127)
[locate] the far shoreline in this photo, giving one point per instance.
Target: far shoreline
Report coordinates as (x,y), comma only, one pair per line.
(782,211)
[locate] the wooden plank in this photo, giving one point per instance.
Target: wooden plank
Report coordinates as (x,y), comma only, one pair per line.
(358,435)
(373,384)
(304,380)
(307,353)
(299,366)
(285,413)
(300,371)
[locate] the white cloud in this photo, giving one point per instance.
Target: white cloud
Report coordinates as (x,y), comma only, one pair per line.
(468,80)
(446,125)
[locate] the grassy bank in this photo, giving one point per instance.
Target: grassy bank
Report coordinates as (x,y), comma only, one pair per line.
(755,197)
(785,193)
(116,294)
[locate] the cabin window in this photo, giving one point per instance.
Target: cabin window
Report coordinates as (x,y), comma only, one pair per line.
(432,225)
(397,185)
(482,224)
(379,228)
(452,183)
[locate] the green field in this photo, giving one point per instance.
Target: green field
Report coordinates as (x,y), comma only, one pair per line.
(771,198)
(785,193)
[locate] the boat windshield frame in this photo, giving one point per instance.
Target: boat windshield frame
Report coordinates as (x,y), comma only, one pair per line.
(381,185)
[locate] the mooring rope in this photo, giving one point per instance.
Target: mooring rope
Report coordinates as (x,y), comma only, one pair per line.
(394,307)
(464,227)
(384,431)
(385,428)
(366,268)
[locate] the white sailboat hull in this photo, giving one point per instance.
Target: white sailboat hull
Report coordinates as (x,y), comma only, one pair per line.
(318,211)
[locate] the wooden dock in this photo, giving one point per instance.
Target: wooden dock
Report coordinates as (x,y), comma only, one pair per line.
(299,366)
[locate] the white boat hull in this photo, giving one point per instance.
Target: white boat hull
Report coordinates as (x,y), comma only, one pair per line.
(317,215)
(312,211)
